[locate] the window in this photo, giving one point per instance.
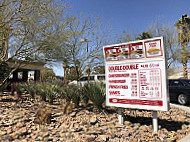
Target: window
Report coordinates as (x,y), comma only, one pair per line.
(11,76)
(84,78)
(101,77)
(20,75)
(91,77)
(176,83)
(187,81)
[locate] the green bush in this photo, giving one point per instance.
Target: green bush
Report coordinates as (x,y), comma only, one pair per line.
(19,88)
(85,94)
(4,86)
(72,93)
(31,89)
(42,90)
(47,91)
(52,92)
(95,92)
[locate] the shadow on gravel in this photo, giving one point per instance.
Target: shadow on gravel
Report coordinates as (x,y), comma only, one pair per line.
(169,125)
(8,100)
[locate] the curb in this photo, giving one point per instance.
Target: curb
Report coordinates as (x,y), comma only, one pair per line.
(187,109)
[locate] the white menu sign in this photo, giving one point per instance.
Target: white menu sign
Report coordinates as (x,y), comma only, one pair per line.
(136,75)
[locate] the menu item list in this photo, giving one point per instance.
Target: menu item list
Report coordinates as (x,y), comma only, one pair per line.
(135,81)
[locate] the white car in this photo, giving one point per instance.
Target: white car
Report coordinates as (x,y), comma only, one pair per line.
(92,78)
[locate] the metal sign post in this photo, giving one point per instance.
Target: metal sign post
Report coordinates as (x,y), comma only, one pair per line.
(120,115)
(155,121)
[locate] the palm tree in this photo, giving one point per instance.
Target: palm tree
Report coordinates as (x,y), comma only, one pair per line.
(183,26)
(65,67)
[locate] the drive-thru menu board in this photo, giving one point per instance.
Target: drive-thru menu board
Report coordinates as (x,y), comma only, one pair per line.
(136,75)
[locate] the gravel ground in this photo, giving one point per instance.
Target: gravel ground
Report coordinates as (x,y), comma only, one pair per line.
(87,123)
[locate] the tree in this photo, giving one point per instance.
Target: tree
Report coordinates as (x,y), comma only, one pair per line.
(155,30)
(71,74)
(96,36)
(65,68)
(170,41)
(125,37)
(183,26)
(47,74)
(30,30)
(144,35)
(99,70)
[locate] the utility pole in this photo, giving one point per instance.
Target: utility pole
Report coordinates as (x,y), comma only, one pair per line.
(87,58)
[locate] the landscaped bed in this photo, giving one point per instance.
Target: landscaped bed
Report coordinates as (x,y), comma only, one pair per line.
(86,123)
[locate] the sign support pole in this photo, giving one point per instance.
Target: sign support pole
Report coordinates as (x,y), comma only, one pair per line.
(155,121)
(120,115)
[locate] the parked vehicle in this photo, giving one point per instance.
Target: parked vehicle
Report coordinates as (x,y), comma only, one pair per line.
(179,91)
(92,78)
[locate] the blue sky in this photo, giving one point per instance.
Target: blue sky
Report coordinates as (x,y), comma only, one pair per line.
(130,15)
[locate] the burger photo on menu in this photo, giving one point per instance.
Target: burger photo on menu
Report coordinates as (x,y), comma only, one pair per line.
(111,54)
(136,52)
(139,51)
(123,53)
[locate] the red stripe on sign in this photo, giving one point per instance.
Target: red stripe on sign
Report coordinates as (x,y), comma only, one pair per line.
(137,102)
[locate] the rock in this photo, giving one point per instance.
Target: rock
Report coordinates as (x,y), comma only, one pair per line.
(48,139)
(2,133)
(57,114)
(143,128)
(104,137)
(87,112)
(22,131)
(90,138)
(77,127)
(127,123)
(7,138)
(20,124)
(94,132)
(14,135)
(93,120)
(184,127)
(73,114)
(119,125)
(182,118)
(9,131)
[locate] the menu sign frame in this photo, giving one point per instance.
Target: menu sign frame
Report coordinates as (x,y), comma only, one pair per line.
(136,75)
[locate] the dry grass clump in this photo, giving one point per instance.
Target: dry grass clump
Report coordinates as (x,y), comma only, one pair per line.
(43,116)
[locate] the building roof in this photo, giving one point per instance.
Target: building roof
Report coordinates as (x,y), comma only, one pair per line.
(26,65)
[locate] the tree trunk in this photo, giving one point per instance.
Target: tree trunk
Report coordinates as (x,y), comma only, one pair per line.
(184,61)
(64,76)
(185,75)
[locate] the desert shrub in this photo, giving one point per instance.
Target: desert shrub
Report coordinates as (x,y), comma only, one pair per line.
(52,92)
(43,116)
(84,93)
(4,86)
(95,92)
(72,93)
(47,91)
(31,89)
(19,88)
